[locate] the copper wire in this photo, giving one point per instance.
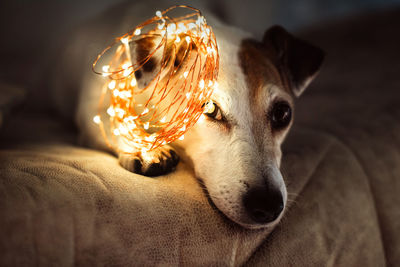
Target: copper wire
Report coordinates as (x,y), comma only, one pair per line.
(168,106)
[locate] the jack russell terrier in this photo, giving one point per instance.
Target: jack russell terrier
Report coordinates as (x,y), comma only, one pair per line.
(236,150)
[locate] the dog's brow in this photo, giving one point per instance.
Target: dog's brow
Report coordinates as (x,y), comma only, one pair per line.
(257,66)
(261,73)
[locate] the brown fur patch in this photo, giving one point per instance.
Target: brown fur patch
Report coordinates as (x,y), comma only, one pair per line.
(144,47)
(260,66)
(181,53)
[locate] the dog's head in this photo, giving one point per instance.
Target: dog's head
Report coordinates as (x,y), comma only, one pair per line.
(236,148)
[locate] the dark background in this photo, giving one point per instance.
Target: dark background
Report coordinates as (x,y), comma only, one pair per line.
(27,27)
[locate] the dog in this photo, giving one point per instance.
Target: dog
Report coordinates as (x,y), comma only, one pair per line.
(235,149)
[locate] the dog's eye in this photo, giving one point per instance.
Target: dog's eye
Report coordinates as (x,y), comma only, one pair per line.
(212,110)
(280,115)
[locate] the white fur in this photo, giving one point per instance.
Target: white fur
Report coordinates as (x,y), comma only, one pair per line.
(227,161)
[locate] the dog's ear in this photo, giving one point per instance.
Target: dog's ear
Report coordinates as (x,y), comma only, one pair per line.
(298,60)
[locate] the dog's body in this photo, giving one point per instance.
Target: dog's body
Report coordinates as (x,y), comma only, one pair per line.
(236,150)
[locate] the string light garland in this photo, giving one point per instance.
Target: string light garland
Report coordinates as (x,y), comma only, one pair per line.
(160,76)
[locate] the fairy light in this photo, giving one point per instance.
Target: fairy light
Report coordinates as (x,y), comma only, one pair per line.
(146,116)
(201,84)
(96,119)
(111,85)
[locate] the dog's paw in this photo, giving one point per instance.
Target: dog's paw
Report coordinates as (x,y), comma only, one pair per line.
(157,162)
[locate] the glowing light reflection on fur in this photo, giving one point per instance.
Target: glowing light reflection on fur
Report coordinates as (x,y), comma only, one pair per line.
(169,105)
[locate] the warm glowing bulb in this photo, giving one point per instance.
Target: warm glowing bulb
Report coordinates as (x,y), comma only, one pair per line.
(171,27)
(120,112)
(133,82)
(137,32)
(127,72)
(111,85)
(150,138)
(182,27)
(145,111)
(125,40)
(123,130)
(191,26)
(201,84)
(128,94)
(131,126)
(185,74)
(158,14)
(106,68)
(97,119)
(111,112)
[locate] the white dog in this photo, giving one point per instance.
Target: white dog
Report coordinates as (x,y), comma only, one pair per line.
(235,151)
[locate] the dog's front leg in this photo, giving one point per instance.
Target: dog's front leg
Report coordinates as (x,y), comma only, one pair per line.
(156,162)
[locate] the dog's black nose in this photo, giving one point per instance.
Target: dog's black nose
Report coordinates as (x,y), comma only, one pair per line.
(263,205)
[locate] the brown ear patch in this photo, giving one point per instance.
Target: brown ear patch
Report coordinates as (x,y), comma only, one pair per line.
(258,65)
(281,59)
(143,47)
(299,61)
(181,53)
